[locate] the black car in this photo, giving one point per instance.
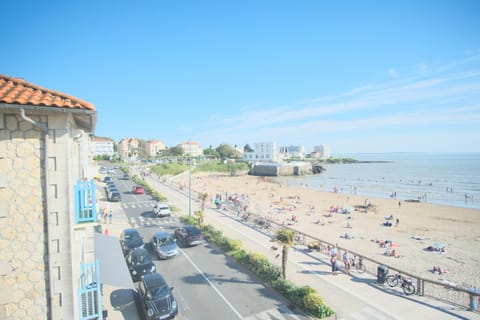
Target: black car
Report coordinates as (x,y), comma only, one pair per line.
(114,196)
(189,235)
(130,239)
(155,298)
(139,263)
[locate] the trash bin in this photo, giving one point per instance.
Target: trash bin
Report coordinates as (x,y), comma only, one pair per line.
(98,228)
(382,272)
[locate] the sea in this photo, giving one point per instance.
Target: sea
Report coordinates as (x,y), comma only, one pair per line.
(451,179)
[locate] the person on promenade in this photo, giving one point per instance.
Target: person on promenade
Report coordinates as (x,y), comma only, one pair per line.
(346,261)
(110,217)
(333,261)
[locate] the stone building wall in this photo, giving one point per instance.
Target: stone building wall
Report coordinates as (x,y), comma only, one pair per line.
(23,281)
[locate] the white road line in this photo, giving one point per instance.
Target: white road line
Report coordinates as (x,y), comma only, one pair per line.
(212,285)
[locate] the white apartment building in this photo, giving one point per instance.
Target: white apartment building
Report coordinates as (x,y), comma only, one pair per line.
(322,151)
(191,148)
(289,152)
(263,152)
(102,146)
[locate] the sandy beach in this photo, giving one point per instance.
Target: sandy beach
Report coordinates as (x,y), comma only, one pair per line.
(421,225)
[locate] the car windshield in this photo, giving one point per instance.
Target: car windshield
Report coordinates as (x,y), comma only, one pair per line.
(142,260)
(131,236)
(166,241)
(158,292)
(193,232)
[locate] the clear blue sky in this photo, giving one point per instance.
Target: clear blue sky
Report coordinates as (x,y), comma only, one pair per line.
(360,76)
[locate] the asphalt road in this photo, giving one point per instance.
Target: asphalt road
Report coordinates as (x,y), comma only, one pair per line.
(207,284)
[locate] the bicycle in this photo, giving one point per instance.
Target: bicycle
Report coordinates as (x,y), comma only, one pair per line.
(359,266)
(394,280)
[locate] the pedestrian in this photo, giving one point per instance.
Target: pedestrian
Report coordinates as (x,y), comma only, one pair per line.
(105,215)
(110,217)
(333,261)
(346,261)
(399,204)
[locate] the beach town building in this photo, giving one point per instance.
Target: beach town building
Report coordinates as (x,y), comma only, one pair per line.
(101,146)
(263,152)
(321,152)
(154,147)
(191,148)
(47,204)
(128,148)
(292,152)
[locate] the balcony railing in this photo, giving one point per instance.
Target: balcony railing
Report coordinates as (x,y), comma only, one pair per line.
(90,292)
(85,202)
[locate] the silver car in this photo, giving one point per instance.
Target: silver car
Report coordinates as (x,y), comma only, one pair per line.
(164,245)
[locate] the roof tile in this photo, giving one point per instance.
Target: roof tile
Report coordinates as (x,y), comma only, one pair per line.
(18,91)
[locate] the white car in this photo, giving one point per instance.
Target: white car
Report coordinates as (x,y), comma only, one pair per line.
(161,210)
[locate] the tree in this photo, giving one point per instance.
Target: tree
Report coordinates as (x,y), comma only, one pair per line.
(201,213)
(211,152)
(226,151)
(286,238)
(247,148)
(175,151)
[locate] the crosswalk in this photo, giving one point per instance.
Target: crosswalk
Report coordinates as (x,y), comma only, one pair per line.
(138,204)
(147,222)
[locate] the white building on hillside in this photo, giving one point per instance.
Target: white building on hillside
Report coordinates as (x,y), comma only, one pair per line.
(263,152)
(191,148)
(288,152)
(102,146)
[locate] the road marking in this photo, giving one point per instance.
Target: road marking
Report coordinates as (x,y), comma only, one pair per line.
(212,285)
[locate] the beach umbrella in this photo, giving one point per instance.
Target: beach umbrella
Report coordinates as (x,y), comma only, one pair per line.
(438,245)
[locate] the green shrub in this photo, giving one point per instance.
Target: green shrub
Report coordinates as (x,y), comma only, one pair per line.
(311,301)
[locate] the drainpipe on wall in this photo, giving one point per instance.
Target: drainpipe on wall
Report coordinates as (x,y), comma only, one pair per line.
(44,128)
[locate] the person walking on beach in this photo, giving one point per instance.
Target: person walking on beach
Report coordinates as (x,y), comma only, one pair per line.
(346,261)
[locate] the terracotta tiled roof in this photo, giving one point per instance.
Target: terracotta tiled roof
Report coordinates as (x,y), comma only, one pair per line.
(18,91)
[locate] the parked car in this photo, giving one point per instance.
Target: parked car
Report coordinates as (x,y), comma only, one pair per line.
(139,263)
(126,176)
(161,210)
(110,187)
(155,298)
(138,190)
(189,235)
(130,239)
(114,196)
(107,179)
(164,245)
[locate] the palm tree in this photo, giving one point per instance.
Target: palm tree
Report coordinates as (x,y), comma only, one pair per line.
(200,214)
(286,237)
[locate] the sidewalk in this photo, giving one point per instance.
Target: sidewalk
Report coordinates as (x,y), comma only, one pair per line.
(117,284)
(351,297)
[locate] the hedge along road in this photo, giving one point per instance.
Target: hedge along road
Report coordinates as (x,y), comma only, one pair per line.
(210,285)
